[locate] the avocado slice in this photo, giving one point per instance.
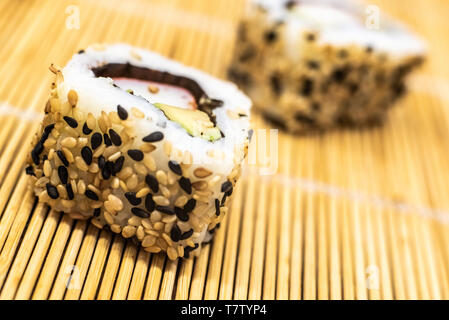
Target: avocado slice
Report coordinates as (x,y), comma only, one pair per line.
(196,122)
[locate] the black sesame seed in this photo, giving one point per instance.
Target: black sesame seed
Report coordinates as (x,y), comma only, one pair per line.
(310,37)
(276,83)
(131,196)
(44,136)
(63,174)
(91,195)
(70,193)
(188,249)
(270,36)
(122,113)
(290,4)
(101,162)
(35,157)
(315,106)
(343,54)
(226,186)
(52,191)
(217,207)
(140,212)
(229,193)
(339,75)
(115,137)
(185,184)
(30,171)
(190,205)
(175,167)
(118,164)
(135,154)
(181,214)
(48,128)
(165,209)
(86,129)
(301,117)
(97,212)
(71,122)
(313,65)
(187,234)
(39,148)
(154,137)
(248,53)
(250,134)
(81,51)
(175,233)
(223,200)
(149,203)
(62,158)
(152,182)
(107,140)
(86,153)
(106,172)
(96,140)
(307,87)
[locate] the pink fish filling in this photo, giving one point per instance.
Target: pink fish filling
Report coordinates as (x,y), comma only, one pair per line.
(165,93)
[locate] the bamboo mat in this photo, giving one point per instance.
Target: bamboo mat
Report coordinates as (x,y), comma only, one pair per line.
(348,215)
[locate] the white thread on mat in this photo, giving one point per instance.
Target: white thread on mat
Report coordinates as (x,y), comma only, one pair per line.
(174,16)
(314,186)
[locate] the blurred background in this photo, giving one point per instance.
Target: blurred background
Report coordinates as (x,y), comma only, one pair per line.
(348,215)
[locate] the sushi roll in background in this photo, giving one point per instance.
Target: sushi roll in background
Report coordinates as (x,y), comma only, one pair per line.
(141,144)
(314,64)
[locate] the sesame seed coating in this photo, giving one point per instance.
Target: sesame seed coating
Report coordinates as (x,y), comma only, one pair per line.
(123,170)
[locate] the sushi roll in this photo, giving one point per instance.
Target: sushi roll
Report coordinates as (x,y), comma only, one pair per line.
(315,64)
(141,144)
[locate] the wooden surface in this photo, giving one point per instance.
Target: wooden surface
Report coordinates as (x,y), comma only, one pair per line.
(348,215)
